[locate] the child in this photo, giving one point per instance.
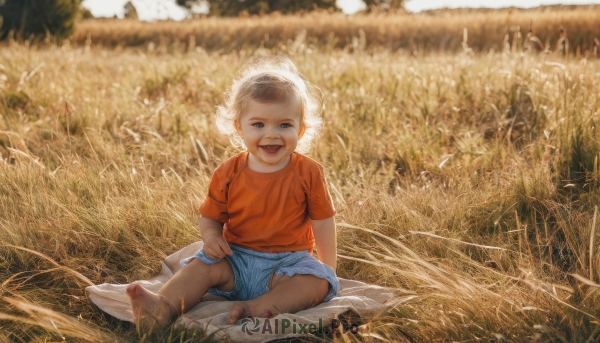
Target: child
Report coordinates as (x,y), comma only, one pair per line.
(265,209)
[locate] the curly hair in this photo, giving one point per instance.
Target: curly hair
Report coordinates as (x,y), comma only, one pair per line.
(269,80)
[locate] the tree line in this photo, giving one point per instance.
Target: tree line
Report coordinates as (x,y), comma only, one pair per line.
(233,8)
(56,18)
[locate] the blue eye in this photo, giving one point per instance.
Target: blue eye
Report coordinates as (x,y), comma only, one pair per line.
(258,125)
(286,125)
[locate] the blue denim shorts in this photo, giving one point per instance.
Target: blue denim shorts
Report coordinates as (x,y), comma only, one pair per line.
(253,270)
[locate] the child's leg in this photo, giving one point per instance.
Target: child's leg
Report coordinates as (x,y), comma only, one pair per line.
(287,295)
(181,292)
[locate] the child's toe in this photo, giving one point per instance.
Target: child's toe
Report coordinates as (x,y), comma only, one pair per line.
(239,310)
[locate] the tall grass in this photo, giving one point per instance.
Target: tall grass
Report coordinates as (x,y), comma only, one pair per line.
(465,183)
(416,33)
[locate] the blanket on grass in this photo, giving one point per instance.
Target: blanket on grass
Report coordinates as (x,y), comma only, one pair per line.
(211,313)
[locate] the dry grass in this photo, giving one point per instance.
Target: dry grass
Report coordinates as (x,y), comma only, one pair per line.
(465,183)
(413,32)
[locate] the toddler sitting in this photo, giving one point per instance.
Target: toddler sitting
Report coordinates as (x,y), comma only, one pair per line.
(265,209)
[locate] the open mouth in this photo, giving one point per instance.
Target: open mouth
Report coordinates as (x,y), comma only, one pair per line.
(270,149)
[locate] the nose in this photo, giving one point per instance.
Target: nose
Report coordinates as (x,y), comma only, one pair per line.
(272,132)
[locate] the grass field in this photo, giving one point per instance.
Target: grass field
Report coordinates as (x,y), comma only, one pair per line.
(466,183)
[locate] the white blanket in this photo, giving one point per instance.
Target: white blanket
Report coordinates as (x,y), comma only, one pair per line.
(211,313)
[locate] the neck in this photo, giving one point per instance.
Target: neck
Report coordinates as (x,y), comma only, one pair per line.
(255,165)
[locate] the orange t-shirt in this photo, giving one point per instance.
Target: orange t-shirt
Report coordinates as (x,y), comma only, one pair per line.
(268,212)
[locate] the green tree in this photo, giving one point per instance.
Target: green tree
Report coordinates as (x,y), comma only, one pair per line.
(39,17)
(384,5)
(232,8)
(84,13)
(130,11)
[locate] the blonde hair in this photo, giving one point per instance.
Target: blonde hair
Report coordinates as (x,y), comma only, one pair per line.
(270,80)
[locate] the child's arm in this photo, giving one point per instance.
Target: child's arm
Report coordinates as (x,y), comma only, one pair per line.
(212,235)
(325,240)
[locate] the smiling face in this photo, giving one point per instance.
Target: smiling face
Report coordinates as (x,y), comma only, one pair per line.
(270,132)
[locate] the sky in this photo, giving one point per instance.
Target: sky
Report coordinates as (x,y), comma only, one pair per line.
(164,9)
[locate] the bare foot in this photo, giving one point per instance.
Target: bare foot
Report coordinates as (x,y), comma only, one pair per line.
(245,309)
(149,309)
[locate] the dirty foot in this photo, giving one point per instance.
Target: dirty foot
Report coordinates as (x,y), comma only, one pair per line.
(245,309)
(149,310)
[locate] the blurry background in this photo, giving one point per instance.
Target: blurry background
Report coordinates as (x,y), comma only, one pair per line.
(162,9)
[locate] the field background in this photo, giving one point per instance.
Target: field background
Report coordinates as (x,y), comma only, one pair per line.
(465,179)
(431,31)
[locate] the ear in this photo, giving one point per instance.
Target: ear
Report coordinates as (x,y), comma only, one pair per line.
(301,132)
(238,127)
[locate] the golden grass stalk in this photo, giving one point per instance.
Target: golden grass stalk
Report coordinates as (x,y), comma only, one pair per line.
(54,322)
(592,235)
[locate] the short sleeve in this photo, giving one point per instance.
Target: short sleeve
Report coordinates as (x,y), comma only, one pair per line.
(215,204)
(320,205)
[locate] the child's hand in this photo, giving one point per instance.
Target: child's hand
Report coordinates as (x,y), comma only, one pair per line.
(216,247)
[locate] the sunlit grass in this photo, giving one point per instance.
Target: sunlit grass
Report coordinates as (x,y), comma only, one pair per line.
(465,183)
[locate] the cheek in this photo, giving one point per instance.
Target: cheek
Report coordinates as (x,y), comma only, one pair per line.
(293,137)
(249,136)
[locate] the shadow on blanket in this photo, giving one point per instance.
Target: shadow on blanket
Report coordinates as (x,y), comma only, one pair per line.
(211,313)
